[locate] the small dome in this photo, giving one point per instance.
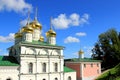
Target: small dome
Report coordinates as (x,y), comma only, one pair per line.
(36,24)
(18,35)
(81,52)
(41,38)
(51,33)
(27,28)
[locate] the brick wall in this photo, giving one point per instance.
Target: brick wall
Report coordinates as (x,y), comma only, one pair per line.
(74,66)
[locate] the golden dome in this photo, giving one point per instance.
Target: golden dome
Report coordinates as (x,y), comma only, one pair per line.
(27,28)
(51,33)
(36,24)
(41,38)
(81,52)
(18,35)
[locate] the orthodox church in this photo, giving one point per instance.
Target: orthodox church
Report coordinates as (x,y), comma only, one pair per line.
(33,58)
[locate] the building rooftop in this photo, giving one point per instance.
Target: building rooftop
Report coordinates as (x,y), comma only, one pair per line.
(66,69)
(82,60)
(8,61)
(41,44)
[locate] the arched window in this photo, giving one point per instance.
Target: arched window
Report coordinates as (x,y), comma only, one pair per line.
(69,78)
(44,67)
(30,67)
(56,67)
(44,79)
(8,79)
(56,78)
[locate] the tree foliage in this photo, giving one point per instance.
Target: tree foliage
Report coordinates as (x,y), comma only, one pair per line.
(107,48)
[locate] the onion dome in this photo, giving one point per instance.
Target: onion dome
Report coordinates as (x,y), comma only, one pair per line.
(18,34)
(41,38)
(81,52)
(27,28)
(35,23)
(51,32)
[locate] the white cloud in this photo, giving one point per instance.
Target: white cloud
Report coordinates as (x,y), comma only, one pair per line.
(23,22)
(81,34)
(88,50)
(9,38)
(63,21)
(15,5)
(74,18)
(71,39)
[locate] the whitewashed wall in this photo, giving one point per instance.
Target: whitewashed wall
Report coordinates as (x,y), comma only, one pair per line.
(71,74)
(9,72)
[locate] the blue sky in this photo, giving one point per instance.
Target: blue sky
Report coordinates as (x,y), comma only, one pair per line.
(76,22)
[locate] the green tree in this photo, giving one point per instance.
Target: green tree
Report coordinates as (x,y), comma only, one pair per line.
(107,48)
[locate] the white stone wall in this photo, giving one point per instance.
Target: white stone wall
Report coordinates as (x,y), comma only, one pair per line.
(37,63)
(41,51)
(9,72)
(27,77)
(27,37)
(38,56)
(36,34)
(89,78)
(70,74)
(51,40)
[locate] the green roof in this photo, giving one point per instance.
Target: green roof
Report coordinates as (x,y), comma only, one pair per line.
(83,60)
(40,43)
(66,69)
(8,61)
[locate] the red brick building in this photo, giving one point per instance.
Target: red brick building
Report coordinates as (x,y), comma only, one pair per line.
(86,68)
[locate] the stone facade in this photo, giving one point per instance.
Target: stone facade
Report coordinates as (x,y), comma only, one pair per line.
(34,58)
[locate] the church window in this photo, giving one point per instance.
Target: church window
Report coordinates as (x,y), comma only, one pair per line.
(44,67)
(56,67)
(30,67)
(69,78)
(56,78)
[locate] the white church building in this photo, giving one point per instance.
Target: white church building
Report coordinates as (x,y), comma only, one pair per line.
(33,58)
